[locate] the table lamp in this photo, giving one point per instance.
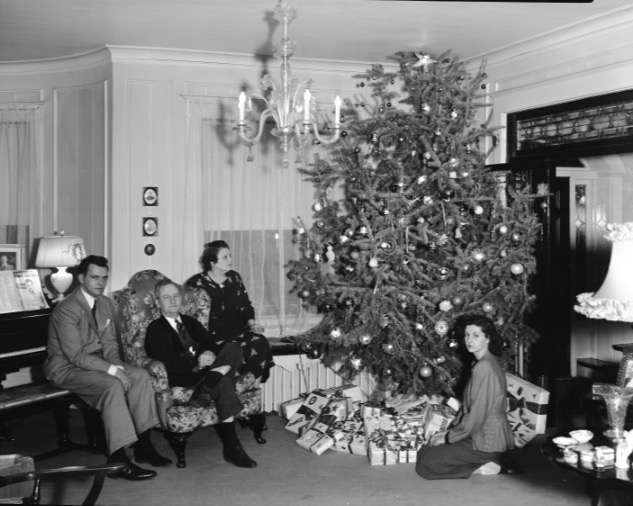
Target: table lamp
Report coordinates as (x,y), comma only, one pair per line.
(614,301)
(60,252)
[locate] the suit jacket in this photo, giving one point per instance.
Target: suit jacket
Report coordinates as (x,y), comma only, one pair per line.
(484,411)
(163,343)
(76,340)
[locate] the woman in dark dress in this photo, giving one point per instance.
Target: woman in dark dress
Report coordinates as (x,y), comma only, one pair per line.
(232,317)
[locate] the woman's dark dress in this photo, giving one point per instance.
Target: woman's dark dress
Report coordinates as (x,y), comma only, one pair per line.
(231,309)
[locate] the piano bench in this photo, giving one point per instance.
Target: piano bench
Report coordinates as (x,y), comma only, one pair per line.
(25,399)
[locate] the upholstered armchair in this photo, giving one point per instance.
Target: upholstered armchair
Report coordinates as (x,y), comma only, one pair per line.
(137,308)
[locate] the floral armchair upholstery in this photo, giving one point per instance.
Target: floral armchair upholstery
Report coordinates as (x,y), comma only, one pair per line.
(137,307)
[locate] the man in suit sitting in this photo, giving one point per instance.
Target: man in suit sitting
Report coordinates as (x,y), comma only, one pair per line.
(193,359)
(84,358)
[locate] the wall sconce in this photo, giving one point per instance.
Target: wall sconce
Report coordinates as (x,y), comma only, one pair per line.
(60,252)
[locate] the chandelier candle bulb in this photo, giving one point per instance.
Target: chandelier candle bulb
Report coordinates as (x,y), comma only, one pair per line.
(337,111)
(306,106)
(241,103)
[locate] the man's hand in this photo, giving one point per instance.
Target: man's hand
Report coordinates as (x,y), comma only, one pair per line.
(120,373)
(206,359)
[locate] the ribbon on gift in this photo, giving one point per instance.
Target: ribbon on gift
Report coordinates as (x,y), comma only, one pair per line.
(383,438)
(519,404)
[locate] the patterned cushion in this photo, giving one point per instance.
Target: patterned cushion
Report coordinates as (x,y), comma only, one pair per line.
(137,307)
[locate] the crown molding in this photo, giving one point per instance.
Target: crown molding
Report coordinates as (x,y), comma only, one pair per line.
(73,63)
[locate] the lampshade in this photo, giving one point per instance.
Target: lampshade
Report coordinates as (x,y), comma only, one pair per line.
(614,299)
(60,251)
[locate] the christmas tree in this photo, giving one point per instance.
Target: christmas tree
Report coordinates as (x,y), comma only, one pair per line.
(422,233)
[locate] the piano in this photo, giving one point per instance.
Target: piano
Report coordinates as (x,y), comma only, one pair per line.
(22,340)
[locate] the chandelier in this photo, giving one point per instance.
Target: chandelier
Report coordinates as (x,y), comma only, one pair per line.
(293,117)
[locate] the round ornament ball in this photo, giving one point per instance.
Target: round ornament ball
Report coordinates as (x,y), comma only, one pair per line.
(317,206)
(457,300)
(441,327)
(314,353)
(364,339)
(487,307)
(335,333)
(452,344)
(447,194)
(355,255)
(479,255)
(503,229)
(419,327)
(305,294)
(517,269)
(426,371)
(373,262)
(478,210)
(387,347)
(422,179)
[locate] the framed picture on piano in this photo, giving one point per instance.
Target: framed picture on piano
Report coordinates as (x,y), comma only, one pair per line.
(11,257)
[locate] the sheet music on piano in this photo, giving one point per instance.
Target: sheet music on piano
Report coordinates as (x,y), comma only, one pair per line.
(21,291)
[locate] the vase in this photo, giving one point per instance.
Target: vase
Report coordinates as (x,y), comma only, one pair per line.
(617,400)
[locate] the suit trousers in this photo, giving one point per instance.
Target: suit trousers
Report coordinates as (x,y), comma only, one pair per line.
(451,460)
(223,392)
(124,414)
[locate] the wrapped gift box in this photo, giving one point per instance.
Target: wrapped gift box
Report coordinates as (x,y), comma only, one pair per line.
(318,442)
(380,455)
(307,413)
(348,390)
(527,409)
(438,418)
(289,408)
(336,410)
(353,439)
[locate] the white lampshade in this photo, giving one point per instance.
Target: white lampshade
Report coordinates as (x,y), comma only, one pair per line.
(614,299)
(60,251)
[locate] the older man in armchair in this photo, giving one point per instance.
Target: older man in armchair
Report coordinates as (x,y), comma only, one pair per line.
(193,359)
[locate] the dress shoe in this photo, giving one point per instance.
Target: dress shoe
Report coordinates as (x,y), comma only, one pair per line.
(236,455)
(151,456)
(132,472)
(201,400)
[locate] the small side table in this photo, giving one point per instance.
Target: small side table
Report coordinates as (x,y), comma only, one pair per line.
(597,479)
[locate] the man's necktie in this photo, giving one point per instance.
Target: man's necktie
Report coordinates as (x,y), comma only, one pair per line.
(94,310)
(182,334)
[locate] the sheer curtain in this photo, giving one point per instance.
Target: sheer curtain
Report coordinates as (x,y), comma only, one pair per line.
(20,174)
(250,205)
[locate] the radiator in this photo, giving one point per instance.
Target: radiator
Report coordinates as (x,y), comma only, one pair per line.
(294,375)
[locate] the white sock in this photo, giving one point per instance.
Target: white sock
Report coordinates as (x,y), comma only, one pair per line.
(488,468)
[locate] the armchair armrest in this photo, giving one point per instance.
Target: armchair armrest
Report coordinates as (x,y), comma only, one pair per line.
(158,375)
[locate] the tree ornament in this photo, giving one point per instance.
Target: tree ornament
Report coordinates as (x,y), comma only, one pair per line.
(487,307)
(335,333)
(445,306)
(349,302)
(479,255)
(426,371)
(304,294)
(447,194)
(452,344)
(427,200)
(355,362)
(426,108)
(384,320)
(478,210)
(457,300)
(503,229)
(364,339)
(516,269)
(419,327)
(422,179)
(440,360)
(314,353)
(384,211)
(442,273)
(388,372)
(503,253)
(320,224)
(387,347)
(441,327)
(317,257)
(349,232)
(544,205)
(516,238)
(373,262)
(344,239)
(317,206)
(355,255)
(349,268)
(363,230)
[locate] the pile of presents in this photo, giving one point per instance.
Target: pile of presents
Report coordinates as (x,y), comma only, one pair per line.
(340,420)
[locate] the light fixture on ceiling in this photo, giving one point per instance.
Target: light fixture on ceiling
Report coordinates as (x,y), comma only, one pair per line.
(293,117)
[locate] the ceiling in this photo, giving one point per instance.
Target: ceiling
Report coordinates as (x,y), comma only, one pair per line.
(346,30)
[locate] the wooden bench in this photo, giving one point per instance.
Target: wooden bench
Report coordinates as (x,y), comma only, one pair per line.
(25,399)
